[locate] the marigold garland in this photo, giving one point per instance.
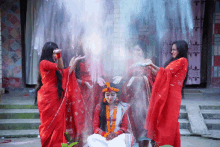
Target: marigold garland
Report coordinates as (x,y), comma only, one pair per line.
(108,120)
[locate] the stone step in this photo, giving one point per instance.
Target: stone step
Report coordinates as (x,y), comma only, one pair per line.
(184,124)
(185,132)
(18,106)
(213,124)
(191,91)
(211,114)
(5,106)
(35,133)
(19,133)
(19,114)
(214,134)
(183,114)
(209,107)
(183,107)
(19,124)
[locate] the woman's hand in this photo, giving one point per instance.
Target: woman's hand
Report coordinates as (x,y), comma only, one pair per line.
(75,59)
(79,58)
(117,79)
(147,62)
(111,136)
(56,51)
(88,85)
(130,81)
(101,81)
(73,63)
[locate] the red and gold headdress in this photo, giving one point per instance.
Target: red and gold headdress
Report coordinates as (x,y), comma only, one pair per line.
(109,89)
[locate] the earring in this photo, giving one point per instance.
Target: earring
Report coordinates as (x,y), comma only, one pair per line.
(116,100)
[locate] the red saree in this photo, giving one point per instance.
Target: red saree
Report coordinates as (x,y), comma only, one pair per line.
(91,97)
(162,118)
(75,113)
(52,111)
(138,96)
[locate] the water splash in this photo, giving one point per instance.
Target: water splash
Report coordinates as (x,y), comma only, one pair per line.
(162,13)
(172,20)
(71,22)
(63,22)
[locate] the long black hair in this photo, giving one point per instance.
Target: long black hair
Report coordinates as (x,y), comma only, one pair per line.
(182,48)
(102,117)
(143,47)
(79,51)
(47,54)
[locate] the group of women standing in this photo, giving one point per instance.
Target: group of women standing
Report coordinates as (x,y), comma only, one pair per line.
(147,109)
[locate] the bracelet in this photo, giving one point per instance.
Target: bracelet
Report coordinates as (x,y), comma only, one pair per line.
(58,55)
(83,82)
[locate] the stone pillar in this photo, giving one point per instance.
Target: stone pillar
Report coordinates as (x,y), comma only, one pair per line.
(11,44)
(1,89)
(0,53)
(214,51)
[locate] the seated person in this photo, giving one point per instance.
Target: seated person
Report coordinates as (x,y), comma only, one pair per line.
(110,123)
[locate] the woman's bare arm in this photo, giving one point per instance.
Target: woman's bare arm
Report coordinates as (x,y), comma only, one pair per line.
(60,63)
(59,60)
(156,68)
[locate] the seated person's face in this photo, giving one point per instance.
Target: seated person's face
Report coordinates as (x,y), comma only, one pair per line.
(138,51)
(110,96)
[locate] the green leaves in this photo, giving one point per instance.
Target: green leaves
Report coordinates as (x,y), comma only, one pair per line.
(66,145)
(69,140)
(72,144)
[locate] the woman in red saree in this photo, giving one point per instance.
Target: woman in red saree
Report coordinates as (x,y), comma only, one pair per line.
(162,118)
(51,95)
(137,91)
(91,90)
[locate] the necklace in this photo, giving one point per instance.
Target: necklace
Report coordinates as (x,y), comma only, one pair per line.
(108,120)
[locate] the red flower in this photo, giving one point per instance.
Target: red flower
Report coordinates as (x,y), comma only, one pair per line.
(109,89)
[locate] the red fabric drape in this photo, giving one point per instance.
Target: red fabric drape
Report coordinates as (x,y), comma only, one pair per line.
(162,118)
(57,116)
(138,95)
(75,113)
(91,97)
(52,111)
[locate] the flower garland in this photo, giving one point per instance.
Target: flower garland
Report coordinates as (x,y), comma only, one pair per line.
(109,89)
(108,120)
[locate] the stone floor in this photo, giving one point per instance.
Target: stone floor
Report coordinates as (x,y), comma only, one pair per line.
(200,96)
(194,96)
(189,141)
